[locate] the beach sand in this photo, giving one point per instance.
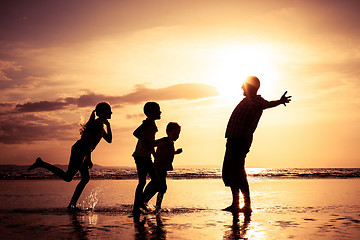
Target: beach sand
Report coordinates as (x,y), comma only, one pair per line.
(282,209)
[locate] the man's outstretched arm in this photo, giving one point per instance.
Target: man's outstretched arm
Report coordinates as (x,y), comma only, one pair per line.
(283,100)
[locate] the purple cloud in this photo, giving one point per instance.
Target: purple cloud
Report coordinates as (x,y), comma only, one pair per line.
(189,91)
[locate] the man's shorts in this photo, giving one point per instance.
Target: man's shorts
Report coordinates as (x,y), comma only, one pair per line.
(233,171)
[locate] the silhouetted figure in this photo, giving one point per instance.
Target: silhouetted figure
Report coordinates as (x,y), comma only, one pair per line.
(80,158)
(145,134)
(164,157)
(239,134)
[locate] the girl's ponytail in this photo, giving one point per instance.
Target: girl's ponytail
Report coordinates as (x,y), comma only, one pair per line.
(84,126)
(92,116)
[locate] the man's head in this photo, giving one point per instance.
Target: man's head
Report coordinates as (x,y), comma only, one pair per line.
(251,86)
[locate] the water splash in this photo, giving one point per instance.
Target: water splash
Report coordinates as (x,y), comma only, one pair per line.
(90,201)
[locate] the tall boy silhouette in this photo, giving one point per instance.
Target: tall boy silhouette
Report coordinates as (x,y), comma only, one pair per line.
(239,133)
(145,134)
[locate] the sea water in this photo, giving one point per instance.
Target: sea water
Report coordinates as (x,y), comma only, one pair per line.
(287,203)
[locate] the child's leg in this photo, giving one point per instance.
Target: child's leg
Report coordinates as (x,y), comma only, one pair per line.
(159,199)
(66,176)
(149,192)
(85,178)
(151,188)
(139,189)
(162,187)
(141,171)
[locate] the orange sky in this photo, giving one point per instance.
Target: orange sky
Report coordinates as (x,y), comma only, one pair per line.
(59,58)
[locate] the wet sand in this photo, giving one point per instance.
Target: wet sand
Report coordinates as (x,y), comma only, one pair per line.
(282,209)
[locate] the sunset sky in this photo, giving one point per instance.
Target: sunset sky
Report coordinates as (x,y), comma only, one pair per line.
(59,58)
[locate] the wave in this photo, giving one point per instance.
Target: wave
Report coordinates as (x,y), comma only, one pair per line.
(13,172)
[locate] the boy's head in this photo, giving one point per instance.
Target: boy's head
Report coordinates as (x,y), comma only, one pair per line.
(173,130)
(152,110)
(251,86)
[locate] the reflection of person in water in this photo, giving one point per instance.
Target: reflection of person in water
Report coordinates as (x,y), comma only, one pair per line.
(237,230)
(80,158)
(151,231)
(239,134)
(80,231)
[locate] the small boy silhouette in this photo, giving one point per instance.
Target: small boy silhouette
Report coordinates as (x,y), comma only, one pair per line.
(164,157)
(145,134)
(239,133)
(80,158)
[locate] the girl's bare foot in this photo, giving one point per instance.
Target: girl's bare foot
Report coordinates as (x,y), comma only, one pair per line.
(37,164)
(73,208)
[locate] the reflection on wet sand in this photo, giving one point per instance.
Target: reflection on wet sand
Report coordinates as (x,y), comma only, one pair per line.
(237,230)
(79,229)
(153,230)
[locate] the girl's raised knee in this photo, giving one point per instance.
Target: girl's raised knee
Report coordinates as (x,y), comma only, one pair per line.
(68,179)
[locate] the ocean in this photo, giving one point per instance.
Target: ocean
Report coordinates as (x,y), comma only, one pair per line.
(292,203)
(15,172)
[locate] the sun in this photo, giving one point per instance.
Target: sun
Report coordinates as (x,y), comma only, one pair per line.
(232,64)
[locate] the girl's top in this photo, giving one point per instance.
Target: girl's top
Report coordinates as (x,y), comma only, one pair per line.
(91,136)
(164,155)
(149,129)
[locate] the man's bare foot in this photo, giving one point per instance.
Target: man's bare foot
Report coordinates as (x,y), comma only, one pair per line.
(37,164)
(232,208)
(246,210)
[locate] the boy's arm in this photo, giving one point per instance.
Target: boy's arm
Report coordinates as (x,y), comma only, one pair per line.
(138,131)
(178,151)
(283,100)
(108,134)
(138,134)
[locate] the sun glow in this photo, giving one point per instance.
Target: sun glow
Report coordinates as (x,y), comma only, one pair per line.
(232,64)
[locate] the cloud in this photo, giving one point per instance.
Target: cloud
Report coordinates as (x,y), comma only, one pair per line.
(189,91)
(31,128)
(30,122)
(40,106)
(7,66)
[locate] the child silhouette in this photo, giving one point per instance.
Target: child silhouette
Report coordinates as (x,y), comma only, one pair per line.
(80,158)
(145,134)
(164,157)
